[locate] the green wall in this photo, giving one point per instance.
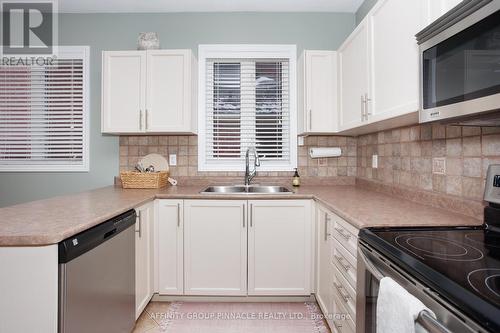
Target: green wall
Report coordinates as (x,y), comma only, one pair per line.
(177,30)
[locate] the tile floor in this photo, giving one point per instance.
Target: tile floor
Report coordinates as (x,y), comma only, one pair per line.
(148,324)
(145,322)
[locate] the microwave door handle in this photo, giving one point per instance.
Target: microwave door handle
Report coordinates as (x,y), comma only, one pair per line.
(428,322)
(369,266)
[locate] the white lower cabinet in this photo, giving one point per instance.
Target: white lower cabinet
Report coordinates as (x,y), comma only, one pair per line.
(169,236)
(336,270)
(143,257)
(215,247)
(279,247)
(324,268)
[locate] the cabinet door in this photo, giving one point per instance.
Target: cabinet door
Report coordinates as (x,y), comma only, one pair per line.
(123,91)
(169,91)
(170,247)
(353,67)
(215,247)
(324,273)
(320,111)
(279,247)
(143,257)
(394,58)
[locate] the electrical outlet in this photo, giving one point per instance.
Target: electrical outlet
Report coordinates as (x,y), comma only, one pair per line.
(439,165)
(300,141)
(375,161)
(172,159)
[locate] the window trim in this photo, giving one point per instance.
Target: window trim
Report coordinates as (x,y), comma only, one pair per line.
(241,51)
(65,51)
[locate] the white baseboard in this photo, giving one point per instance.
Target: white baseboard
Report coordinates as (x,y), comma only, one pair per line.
(242,299)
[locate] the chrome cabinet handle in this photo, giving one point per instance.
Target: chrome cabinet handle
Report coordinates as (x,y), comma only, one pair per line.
(146,119)
(343,234)
(244,215)
(326,226)
(367,113)
(362,108)
(139,216)
(178,215)
(140,120)
(251,216)
(310,119)
(345,297)
(339,259)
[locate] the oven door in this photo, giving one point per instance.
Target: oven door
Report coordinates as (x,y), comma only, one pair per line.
(372,267)
(460,67)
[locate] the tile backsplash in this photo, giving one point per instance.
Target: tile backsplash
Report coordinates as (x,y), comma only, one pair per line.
(338,170)
(406,158)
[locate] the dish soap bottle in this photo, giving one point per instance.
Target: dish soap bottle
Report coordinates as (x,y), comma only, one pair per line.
(296,178)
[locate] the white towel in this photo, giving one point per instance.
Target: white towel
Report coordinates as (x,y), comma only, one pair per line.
(397,309)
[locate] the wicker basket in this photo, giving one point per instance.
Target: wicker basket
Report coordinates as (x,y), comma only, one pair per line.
(133,179)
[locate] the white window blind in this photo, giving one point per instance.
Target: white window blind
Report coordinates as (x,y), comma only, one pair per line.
(43,113)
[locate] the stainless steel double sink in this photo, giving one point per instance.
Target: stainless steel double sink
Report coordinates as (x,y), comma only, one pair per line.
(250,189)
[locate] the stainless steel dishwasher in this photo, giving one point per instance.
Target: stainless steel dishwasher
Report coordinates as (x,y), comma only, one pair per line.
(97,278)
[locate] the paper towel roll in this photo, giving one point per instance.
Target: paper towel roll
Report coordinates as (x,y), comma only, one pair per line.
(320,152)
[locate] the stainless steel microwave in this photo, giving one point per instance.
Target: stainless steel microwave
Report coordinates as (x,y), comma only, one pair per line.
(460,64)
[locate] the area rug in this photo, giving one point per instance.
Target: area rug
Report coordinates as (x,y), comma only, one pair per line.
(215,317)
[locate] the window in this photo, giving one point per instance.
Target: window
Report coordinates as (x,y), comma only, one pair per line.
(247,99)
(43,114)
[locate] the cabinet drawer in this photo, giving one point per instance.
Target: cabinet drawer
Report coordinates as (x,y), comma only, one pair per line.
(346,234)
(341,322)
(345,262)
(344,293)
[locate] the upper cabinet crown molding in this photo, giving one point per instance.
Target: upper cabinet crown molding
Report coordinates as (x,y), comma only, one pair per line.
(151,91)
(318,104)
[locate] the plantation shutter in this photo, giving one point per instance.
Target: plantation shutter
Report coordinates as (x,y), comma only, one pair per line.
(247,104)
(42,115)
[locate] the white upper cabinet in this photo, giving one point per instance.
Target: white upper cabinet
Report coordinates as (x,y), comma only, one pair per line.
(279,247)
(123,87)
(170,91)
(394,67)
(353,76)
(149,91)
(318,105)
(379,66)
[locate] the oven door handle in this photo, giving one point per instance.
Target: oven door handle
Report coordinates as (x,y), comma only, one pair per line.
(368,264)
(425,319)
(428,322)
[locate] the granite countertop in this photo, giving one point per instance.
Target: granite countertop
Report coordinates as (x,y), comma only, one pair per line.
(50,221)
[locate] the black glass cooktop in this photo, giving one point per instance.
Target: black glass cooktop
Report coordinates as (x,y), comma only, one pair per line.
(462,264)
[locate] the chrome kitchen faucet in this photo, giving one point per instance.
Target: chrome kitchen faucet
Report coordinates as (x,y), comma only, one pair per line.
(250,174)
